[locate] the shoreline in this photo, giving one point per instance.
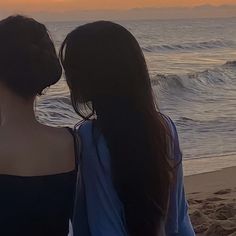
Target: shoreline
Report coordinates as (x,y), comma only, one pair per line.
(208,164)
(212,202)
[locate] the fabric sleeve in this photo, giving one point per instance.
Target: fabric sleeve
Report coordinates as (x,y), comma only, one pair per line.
(178,222)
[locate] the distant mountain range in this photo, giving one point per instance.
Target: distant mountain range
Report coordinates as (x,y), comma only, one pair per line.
(203,11)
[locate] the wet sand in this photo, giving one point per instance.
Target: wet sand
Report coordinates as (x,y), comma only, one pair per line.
(212,202)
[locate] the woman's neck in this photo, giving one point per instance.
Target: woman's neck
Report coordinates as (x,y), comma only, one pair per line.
(15,111)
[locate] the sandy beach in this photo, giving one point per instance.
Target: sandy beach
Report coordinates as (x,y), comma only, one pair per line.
(212,201)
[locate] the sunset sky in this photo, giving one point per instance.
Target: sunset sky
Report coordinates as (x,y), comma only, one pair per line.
(38,5)
(63,10)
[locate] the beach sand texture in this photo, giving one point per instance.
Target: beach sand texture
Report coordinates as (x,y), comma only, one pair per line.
(212,202)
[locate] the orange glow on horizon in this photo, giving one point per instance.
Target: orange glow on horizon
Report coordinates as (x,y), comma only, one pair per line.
(38,5)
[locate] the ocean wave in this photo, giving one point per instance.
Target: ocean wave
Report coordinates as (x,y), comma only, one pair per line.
(212,44)
(230,64)
(220,76)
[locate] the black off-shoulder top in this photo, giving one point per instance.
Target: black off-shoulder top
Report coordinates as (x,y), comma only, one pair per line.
(36,206)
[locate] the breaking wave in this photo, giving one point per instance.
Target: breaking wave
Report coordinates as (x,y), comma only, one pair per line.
(220,76)
(189,46)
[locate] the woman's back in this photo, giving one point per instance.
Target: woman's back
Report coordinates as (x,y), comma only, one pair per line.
(106,71)
(35,150)
(37,163)
(37,179)
(108,78)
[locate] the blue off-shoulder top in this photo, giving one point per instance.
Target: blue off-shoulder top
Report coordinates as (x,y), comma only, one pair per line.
(98,209)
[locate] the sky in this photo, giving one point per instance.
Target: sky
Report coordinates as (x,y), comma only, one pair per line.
(67,10)
(62,5)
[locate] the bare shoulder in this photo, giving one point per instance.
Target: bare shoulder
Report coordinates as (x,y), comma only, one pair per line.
(61,143)
(41,150)
(60,134)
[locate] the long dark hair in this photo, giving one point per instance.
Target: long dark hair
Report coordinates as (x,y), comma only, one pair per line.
(105,68)
(28,59)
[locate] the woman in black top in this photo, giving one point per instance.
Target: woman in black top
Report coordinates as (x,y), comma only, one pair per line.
(37,162)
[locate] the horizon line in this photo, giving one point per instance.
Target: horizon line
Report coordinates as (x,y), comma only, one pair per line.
(134,8)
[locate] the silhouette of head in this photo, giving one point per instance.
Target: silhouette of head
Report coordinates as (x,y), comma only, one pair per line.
(28,59)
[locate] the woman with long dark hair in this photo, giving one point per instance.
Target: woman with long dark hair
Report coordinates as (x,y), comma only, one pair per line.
(128,171)
(37,162)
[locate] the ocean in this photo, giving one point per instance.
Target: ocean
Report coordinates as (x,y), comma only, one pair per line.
(192,64)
